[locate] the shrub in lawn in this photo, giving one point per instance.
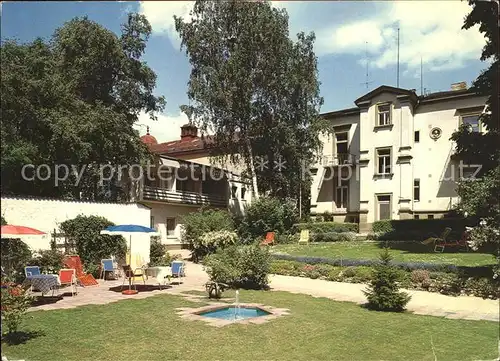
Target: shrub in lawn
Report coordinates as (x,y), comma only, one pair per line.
(324,270)
(196,224)
(325,227)
(267,215)
(209,242)
(334,275)
(239,266)
(49,261)
(349,272)
(482,287)
(15,302)
(91,245)
(310,271)
(446,283)
(158,255)
(4,222)
(327,216)
(15,254)
(363,274)
(383,293)
(419,276)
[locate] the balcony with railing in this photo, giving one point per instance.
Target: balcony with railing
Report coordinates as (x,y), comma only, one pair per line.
(338,159)
(183,197)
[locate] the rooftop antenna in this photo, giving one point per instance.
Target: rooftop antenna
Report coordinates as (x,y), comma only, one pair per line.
(421,77)
(397,86)
(366,58)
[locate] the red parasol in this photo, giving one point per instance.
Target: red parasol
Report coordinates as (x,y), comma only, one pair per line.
(8,231)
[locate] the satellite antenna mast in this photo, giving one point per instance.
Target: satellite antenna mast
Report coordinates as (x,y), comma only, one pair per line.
(397,82)
(366,83)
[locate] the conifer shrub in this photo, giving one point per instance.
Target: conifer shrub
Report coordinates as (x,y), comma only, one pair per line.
(383,293)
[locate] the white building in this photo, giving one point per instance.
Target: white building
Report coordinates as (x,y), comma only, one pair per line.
(193,180)
(391,156)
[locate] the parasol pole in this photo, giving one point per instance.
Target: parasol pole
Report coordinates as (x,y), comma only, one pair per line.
(130,251)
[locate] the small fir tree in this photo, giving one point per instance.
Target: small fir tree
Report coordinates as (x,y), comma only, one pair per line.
(383,293)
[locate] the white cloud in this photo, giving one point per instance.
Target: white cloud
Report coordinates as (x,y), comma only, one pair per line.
(161,16)
(165,129)
(430,30)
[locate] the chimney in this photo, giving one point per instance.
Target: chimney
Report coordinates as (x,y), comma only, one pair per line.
(189,131)
(459,86)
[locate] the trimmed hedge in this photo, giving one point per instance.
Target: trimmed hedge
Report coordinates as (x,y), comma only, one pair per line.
(333,237)
(326,227)
(419,229)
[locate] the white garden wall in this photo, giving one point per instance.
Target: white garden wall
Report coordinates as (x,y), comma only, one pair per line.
(46,215)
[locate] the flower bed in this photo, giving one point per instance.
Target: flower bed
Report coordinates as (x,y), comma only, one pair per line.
(448,283)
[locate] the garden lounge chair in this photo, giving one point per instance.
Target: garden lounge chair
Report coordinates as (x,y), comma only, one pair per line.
(107,265)
(32,271)
(304,237)
(67,277)
(439,242)
(269,239)
(74,262)
(442,244)
(178,270)
(130,275)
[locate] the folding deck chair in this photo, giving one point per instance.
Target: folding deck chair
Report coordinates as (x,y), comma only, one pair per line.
(74,262)
(304,236)
(269,239)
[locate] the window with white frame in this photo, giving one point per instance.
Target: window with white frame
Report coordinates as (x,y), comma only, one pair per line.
(384,161)
(472,121)
(171,223)
(342,194)
(243,192)
(384,114)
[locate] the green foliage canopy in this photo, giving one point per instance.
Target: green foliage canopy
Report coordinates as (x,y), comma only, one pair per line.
(91,245)
(72,101)
(256,89)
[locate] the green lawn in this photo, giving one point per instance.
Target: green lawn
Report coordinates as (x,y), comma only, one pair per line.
(401,251)
(316,329)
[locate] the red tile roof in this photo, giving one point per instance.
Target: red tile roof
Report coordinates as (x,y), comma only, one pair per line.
(186,145)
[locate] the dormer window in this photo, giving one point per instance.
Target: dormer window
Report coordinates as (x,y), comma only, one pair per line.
(384,114)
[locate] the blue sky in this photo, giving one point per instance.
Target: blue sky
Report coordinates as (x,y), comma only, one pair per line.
(346,32)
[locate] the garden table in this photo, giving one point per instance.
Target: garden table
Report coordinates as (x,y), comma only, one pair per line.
(160,273)
(43,282)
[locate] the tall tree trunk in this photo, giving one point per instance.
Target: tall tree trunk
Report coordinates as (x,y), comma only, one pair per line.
(255,189)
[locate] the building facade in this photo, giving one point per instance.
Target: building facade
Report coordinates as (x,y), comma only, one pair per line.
(185,178)
(391,156)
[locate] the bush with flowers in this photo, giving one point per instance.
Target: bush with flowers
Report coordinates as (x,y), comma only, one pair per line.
(15,302)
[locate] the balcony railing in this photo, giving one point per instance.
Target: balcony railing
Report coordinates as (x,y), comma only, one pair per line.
(191,198)
(338,159)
